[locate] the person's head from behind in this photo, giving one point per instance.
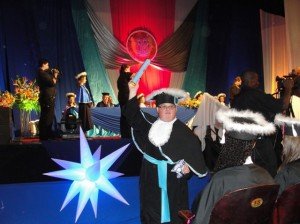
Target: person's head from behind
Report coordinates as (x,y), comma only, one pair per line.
(237,81)
(105,98)
(250,79)
(166,102)
(291,138)
(43,64)
(124,68)
(241,131)
(81,78)
(291,149)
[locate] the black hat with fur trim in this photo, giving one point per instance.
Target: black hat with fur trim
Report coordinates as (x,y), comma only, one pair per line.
(289,126)
(167,95)
(244,125)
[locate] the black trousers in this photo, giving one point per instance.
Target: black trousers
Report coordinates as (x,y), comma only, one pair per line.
(46,120)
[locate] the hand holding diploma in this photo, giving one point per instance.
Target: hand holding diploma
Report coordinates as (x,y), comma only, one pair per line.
(140,72)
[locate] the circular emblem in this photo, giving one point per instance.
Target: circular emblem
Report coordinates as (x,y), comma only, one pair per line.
(255,203)
(141,45)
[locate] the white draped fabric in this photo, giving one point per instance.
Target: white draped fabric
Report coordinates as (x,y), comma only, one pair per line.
(280,42)
(276,57)
(292,9)
(206,116)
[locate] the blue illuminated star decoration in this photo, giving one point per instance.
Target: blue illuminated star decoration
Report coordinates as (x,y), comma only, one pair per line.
(89,176)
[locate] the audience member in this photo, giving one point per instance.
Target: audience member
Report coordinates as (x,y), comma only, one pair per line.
(234,168)
(289,171)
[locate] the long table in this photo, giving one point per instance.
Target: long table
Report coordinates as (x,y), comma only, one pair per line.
(108,118)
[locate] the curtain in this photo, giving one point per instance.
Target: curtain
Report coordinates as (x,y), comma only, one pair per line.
(34,29)
(234,43)
(195,78)
(292,8)
(276,57)
(97,77)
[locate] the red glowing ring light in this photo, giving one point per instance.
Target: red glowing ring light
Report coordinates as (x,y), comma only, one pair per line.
(141,45)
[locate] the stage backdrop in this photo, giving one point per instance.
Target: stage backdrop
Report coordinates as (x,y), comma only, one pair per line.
(200,44)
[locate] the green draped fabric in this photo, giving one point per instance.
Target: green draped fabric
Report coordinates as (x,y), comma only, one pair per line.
(195,78)
(97,76)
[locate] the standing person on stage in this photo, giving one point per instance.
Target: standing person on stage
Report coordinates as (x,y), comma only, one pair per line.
(222,98)
(250,97)
(106,101)
(123,94)
(85,102)
(46,80)
(235,88)
(170,151)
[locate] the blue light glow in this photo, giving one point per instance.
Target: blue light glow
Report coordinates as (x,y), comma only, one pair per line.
(89,176)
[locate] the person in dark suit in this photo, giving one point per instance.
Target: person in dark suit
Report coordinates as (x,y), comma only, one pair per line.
(106,101)
(252,98)
(123,94)
(46,80)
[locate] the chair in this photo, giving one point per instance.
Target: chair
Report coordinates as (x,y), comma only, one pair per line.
(248,205)
(287,207)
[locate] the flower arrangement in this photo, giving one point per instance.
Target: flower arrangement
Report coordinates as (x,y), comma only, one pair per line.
(190,103)
(6,99)
(26,94)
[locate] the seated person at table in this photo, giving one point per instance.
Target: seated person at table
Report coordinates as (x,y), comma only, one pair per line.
(106,101)
(234,167)
(289,171)
(199,96)
(70,103)
(222,98)
(141,99)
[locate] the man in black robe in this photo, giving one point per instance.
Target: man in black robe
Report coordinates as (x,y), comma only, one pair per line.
(170,151)
(46,80)
(234,168)
(289,171)
(251,98)
(123,94)
(106,101)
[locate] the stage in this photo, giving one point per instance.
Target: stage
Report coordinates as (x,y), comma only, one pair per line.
(29,197)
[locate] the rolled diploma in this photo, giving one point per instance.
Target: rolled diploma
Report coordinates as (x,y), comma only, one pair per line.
(140,72)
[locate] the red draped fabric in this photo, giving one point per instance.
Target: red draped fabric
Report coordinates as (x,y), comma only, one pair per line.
(155,16)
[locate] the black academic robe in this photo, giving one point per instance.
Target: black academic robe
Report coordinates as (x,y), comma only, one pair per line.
(225,181)
(183,144)
(289,175)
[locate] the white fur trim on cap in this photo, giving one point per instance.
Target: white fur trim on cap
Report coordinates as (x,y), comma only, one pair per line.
(178,93)
(80,74)
(262,126)
(70,94)
(281,119)
(221,94)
